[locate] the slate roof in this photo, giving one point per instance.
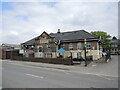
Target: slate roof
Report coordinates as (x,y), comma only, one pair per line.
(72,35)
(15,46)
(113,41)
(30,42)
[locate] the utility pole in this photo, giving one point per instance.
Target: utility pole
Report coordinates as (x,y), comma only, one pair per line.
(85,52)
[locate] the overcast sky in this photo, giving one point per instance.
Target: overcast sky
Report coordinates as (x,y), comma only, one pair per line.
(25,20)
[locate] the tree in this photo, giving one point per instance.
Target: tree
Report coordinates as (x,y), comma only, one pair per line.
(105,38)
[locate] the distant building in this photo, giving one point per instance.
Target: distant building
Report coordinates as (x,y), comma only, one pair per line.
(47,45)
(114,46)
(7,51)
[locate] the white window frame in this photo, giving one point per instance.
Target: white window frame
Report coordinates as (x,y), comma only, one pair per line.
(38,48)
(70,46)
(63,46)
(79,45)
(88,45)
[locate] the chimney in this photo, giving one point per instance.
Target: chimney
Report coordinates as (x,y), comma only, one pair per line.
(58,31)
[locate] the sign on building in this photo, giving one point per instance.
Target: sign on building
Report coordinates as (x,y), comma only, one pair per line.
(21,51)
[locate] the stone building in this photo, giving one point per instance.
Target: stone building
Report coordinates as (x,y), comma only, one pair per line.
(47,45)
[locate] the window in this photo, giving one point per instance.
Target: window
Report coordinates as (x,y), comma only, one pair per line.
(79,46)
(48,46)
(39,48)
(88,45)
(63,46)
(70,46)
(116,46)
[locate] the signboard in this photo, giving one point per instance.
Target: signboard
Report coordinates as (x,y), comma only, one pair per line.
(49,53)
(61,50)
(21,51)
(79,53)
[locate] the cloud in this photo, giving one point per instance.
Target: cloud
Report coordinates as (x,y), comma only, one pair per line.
(28,20)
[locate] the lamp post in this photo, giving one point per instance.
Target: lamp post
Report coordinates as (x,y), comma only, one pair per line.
(100,43)
(57,42)
(85,52)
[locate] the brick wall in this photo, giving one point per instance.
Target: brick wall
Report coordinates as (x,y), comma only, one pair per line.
(46,60)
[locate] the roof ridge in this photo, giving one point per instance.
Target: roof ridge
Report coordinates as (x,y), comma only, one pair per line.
(67,32)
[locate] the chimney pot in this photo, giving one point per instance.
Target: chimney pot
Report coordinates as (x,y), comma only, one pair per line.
(58,31)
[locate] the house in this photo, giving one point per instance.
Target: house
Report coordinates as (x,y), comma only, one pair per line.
(7,51)
(73,42)
(114,46)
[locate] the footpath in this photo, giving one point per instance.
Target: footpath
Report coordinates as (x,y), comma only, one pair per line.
(96,68)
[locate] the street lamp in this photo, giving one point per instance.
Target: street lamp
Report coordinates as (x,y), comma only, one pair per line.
(85,52)
(57,42)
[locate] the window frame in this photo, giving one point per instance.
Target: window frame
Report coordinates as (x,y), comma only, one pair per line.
(88,45)
(79,46)
(71,47)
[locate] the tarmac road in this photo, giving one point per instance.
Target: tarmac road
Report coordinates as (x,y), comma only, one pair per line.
(17,75)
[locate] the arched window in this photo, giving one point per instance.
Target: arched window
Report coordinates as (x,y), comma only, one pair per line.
(79,46)
(71,46)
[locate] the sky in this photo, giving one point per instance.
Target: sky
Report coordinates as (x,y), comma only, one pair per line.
(22,21)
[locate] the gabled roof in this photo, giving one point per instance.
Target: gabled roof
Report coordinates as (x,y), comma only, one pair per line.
(73,35)
(114,40)
(30,42)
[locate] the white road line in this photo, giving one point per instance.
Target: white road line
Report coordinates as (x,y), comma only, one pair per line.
(34,76)
(93,65)
(101,75)
(94,74)
(104,77)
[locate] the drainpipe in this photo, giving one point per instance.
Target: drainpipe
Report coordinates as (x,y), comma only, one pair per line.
(4,52)
(11,55)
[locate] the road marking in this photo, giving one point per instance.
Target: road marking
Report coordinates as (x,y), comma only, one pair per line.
(94,74)
(104,77)
(94,65)
(34,76)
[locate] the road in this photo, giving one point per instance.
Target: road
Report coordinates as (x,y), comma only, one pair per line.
(16,75)
(0,75)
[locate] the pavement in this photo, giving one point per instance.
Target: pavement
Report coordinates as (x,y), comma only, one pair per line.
(95,67)
(19,74)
